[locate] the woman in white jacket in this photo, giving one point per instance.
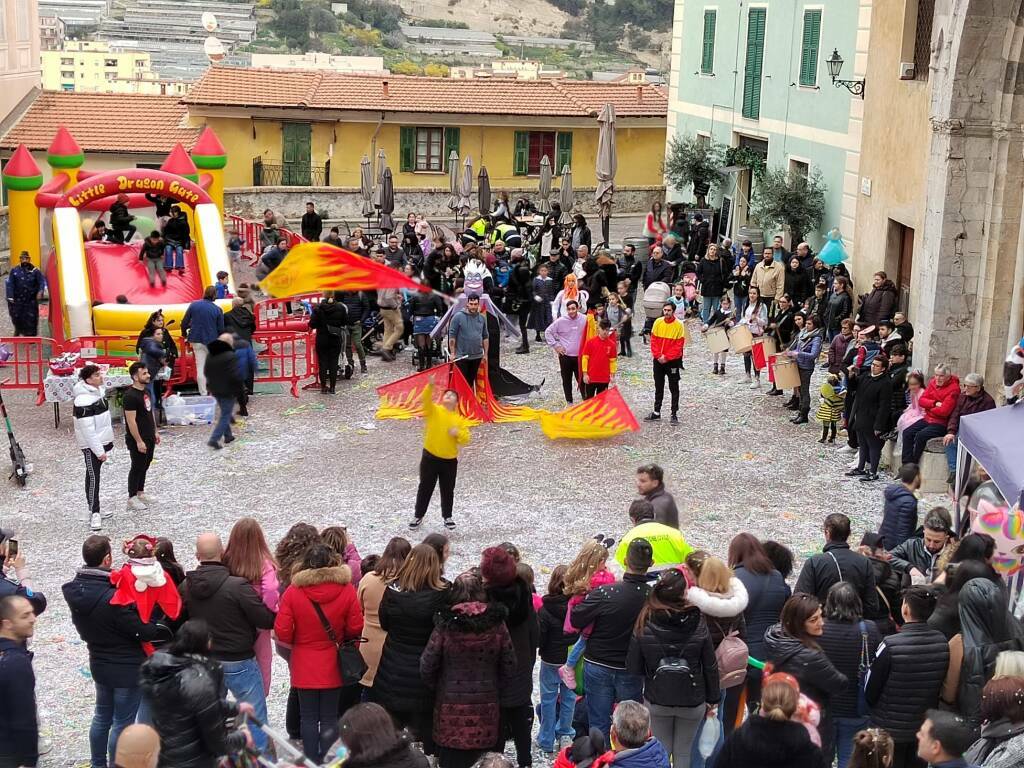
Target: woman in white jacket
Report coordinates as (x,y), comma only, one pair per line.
(722,599)
(94,435)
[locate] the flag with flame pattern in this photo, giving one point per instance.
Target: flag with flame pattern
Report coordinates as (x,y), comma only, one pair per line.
(314,267)
(402,399)
(604,415)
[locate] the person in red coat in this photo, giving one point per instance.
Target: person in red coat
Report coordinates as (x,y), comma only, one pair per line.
(937,401)
(468,656)
(598,360)
(320,580)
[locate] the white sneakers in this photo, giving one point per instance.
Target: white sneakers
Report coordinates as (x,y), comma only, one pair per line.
(136,504)
(755,384)
(847,449)
(94,522)
(146,499)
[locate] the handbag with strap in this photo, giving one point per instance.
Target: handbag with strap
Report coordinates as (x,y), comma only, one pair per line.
(351,665)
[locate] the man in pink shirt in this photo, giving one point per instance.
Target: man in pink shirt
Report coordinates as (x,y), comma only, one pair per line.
(565,336)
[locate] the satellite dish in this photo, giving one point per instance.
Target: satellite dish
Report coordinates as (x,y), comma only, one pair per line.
(209,21)
(214,49)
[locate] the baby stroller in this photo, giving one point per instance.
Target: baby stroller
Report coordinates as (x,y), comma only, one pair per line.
(373,332)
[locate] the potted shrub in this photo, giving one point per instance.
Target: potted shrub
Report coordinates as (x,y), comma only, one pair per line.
(694,161)
(792,200)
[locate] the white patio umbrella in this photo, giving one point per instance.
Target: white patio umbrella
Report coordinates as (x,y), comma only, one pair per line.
(366,185)
(466,187)
(607,164)
(382,163)
(544,188)
(565,194)
(453,181)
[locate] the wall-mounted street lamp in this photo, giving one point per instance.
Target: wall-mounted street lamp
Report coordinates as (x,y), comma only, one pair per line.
(835,66)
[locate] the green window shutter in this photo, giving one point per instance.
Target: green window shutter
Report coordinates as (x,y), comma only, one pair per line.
(755,58)
(809,49)
(521,157)
(707,56)
(407,149)
(451,141)
(563,152)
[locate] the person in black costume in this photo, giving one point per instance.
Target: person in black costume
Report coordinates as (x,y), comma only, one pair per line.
(330,321)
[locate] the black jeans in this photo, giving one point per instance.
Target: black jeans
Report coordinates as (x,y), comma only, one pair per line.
(92,478)
(469,368)
(318,717)
(569,367)
(516,723)
(436,471)
(327,361)
(670,371)
(805,390)
(524,318)
(139,466)
(870,449)
(916,437)
(594,388)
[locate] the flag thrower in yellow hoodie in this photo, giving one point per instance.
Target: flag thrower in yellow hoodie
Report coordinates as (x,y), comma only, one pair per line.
(444,430)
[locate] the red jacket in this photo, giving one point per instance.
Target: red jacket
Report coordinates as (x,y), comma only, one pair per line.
(938,402)
(314,659)
(564,759)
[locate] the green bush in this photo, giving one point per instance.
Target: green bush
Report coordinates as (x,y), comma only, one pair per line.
(789,199)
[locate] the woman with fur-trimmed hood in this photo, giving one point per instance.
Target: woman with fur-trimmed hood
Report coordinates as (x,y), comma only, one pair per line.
(468,659)
(320,580)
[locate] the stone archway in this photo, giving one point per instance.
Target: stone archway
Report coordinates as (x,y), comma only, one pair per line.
(968,301)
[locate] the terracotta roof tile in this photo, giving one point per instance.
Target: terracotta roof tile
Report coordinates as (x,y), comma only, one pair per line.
(104,122)
(319,89)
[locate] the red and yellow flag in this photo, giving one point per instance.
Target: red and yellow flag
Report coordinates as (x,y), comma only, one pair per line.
(314,267)
(604,415)
(402,399)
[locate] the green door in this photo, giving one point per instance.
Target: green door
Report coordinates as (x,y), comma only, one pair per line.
(296,154)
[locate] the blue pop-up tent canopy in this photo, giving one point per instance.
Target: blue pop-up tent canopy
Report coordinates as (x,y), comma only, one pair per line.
(996,441)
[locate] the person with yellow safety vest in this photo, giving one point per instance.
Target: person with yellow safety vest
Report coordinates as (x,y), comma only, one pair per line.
(508,233)
(476,231)
(667,543)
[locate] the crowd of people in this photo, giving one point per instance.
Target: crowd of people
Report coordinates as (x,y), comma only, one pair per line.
(899,651)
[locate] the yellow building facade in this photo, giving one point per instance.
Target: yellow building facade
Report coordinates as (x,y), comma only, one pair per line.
(416,121)
(95,67)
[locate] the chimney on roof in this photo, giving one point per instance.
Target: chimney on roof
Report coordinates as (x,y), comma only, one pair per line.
(640,93)
(385,86)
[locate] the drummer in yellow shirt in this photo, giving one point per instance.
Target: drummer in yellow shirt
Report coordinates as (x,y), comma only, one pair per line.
(444,430)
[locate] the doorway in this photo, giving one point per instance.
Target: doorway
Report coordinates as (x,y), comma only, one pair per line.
(901,242)
(296,154)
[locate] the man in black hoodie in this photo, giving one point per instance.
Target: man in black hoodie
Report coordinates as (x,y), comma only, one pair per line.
(224,382)
(837,562)
(312,225)
(612,612)
(234,613)
(19,728)
(114,635)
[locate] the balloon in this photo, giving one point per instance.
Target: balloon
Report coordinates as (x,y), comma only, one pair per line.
(833,251)
(144,225)
(1006,526)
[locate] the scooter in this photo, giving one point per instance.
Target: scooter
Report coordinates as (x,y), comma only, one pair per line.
(20,467)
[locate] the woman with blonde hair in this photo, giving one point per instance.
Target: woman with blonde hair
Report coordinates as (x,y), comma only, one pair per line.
(248,555)
(771,738)
(587,571)
(407,612)
(370,593)
(721,598)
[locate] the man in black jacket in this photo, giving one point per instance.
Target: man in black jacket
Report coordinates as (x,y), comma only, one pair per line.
(19,728)
(906,676)
(224,382)
(918,555)
(837,562)
(234,613)
(612,612)
(312,225)
(114,635)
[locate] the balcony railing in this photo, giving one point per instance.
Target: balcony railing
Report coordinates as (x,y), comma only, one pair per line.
(281,174)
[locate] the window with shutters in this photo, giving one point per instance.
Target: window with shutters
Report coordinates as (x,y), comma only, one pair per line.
(426,149)
(923,38)
(809,48)
(429,149)
(707,54)
(755,59)
(532,146)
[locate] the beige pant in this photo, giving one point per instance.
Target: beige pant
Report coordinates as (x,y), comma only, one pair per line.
(201,352)
(393,327)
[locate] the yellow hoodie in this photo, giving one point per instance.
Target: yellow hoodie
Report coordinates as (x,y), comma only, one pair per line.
(437,439)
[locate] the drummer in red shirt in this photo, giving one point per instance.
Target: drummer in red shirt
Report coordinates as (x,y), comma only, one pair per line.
(598,360)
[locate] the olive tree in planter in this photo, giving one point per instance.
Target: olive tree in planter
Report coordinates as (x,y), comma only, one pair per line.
(695,161)
(789,199)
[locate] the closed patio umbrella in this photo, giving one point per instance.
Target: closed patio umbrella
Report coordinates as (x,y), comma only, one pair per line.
(544,188)
(453,180)
(366,186)
(387,201)
(466,187)
(483,191)
(382,163)
(565,194)
(607,163)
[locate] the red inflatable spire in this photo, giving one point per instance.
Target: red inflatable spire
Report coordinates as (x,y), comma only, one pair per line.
(64,151)
(209,153)
(22,173)
(180,163)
